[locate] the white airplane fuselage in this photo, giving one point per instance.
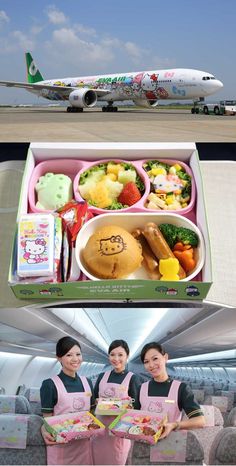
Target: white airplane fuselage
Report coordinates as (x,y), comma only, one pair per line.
(177,84)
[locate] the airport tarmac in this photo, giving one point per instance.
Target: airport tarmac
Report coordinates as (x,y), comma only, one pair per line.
(55,124)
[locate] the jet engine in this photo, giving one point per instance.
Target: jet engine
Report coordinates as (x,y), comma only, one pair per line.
(146,103)
(83,97)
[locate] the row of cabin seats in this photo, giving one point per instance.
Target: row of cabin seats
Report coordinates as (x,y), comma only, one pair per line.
(21,442)
(201,444)
(222,450)
(214,444)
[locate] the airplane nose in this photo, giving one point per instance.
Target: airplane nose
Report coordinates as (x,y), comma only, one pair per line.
(219,84)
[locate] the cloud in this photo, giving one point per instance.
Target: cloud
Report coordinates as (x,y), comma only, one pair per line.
(55,16)
(71,46)
(93,55)
(80,28)
(35,30)
(22,40)
(3,17)
(16,41)
(136,54)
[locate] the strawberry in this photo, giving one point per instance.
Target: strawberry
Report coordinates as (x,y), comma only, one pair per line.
(129,194)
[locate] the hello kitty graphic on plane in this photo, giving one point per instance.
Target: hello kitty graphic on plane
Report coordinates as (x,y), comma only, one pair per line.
(144,88)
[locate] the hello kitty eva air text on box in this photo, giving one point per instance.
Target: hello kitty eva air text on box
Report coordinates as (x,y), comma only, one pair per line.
(110,290)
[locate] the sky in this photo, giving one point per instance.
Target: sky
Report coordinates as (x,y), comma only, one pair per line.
(79,38)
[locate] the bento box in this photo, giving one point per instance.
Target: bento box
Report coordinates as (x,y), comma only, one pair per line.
(112,406)
(73,426)
(141,426)
(74,159)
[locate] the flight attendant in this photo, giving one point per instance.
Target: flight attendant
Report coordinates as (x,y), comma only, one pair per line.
(67,392)
(165,395)
(116,383)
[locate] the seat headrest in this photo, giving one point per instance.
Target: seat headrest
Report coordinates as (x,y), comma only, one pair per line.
(14,404)
(223,449)
(30,426)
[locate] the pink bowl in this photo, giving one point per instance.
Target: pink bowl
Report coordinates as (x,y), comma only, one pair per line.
(65,166)
(140,205)
(137,207)
(190,206)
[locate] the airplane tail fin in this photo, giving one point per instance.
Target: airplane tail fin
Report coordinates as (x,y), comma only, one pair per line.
(33,74)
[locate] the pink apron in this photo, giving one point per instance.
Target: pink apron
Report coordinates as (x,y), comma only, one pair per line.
(160,404)
(109,449)
(77,451)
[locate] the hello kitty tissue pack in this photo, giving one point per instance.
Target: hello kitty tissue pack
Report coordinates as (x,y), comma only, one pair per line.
(35,245)
(73,426)
(128,184)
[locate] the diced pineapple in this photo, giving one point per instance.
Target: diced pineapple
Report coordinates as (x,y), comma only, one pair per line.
(110,176)
(170,199)
(99,196)
(177,167)
(114,168)
(158,171)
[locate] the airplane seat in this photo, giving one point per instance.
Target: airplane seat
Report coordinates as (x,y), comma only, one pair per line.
(21,390)
(225,386)
(218,385)
(192,453)
(199,395)
(231,418)
(17,404)
(223,450)
(209,390)
(220,402)
(21,442)
(214,424)
(33,396)
(229,395)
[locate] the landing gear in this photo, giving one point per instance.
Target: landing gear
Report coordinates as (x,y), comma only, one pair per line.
(195,108)
(74,109)
(109,108)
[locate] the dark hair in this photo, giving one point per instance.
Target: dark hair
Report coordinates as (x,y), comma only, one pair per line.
(152,345)
(64,345)
(114,344)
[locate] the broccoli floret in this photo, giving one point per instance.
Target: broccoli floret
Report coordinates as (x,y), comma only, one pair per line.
(173,234)
(187,236)
(169,232)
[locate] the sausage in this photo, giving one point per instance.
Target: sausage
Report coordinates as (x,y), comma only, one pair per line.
(150,261)
(159,246)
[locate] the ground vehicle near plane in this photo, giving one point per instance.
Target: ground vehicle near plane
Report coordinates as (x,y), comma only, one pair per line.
(145,88)
(224,107)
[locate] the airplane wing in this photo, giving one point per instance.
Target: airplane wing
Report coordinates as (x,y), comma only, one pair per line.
(52,87)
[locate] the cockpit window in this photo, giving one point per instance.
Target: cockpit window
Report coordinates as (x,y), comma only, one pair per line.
(206,78)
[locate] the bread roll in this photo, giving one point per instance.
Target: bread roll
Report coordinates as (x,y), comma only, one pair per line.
(112,252)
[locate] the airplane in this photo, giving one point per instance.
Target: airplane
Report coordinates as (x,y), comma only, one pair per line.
(144,88)
(200,342)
